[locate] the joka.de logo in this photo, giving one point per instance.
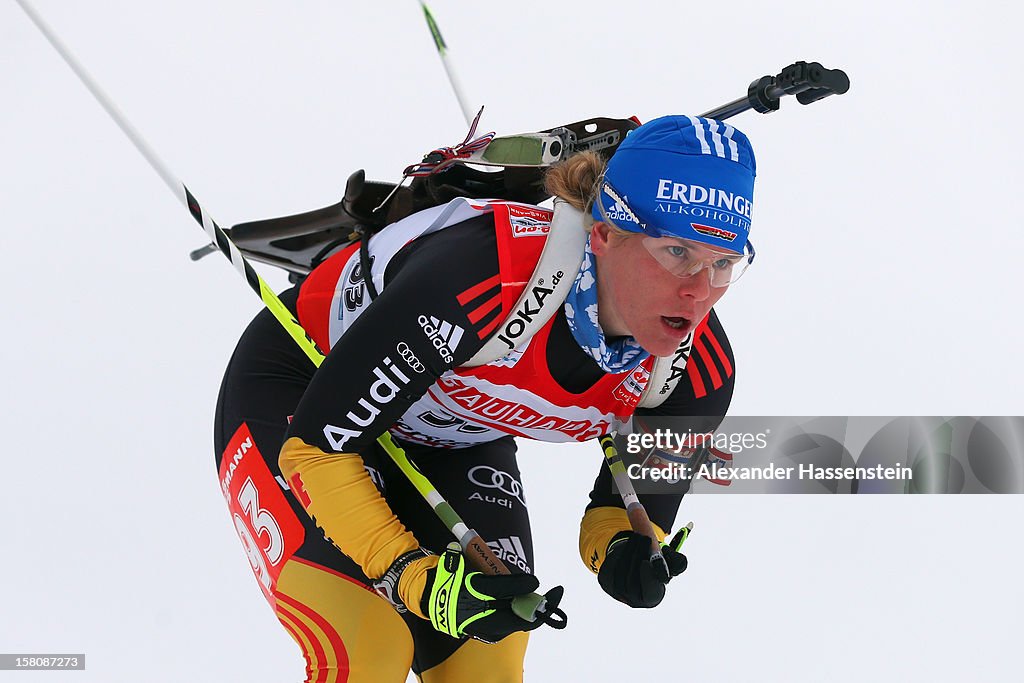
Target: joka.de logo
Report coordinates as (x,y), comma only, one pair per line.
(528,310)
(487,477)
(443,335)
(389,381)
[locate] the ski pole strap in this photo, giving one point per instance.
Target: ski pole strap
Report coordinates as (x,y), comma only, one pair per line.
(443,157)
(523,605)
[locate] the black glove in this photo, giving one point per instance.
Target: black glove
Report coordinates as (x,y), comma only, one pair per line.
(632,576)
(461,602)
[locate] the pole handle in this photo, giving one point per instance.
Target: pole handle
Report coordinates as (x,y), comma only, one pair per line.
(480,555)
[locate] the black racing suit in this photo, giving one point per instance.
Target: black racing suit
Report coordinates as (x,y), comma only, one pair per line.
(269,382)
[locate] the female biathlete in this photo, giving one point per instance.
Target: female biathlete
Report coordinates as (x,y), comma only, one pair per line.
(352,560)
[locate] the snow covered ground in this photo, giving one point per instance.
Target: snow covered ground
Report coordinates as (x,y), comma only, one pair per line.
(888,235)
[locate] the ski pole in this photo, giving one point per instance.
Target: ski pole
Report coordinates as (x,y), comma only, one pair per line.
(638,518)
(477,551)
(442,50)
(639,521)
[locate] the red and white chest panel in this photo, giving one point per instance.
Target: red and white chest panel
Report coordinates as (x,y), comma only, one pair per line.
(515,394)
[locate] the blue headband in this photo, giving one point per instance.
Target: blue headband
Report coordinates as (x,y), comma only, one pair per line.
(682,176)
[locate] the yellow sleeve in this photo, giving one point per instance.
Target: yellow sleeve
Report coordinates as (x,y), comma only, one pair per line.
(413,584)
(596,530)
(338,493)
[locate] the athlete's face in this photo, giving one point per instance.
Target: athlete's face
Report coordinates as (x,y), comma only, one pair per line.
(638,297)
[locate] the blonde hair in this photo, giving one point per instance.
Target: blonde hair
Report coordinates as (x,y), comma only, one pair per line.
(575,180)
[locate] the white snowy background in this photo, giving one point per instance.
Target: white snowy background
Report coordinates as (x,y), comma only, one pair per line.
(888,229)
